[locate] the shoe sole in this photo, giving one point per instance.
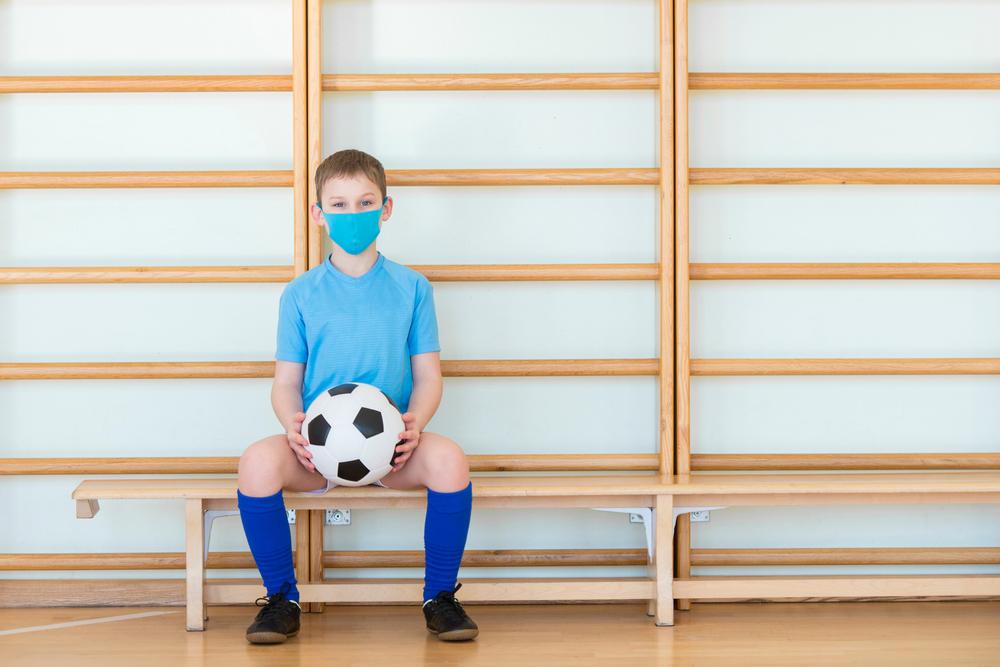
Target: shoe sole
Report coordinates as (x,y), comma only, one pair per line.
(269,637)
(455,635)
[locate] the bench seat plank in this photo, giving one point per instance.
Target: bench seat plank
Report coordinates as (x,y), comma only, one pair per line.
(486,487)
(979,481)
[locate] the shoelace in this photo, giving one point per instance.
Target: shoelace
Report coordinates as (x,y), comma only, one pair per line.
(271,606)
(450,607)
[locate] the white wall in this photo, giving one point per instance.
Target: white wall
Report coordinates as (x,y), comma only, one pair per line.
(550,224)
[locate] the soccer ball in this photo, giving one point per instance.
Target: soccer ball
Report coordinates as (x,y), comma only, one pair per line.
(353,430)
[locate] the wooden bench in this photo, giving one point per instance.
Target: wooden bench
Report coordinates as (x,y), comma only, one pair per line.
(663,498)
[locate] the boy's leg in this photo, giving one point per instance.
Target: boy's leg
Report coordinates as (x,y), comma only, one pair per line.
(439,464)
(267,467)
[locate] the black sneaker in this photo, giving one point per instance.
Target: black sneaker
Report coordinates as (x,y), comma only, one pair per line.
(277,621)
(446,618)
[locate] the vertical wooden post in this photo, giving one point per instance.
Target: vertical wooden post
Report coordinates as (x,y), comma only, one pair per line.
(314,111)
(663,557)
(683,330)
(300,164)
(302,550)
(313,147)
(194,524)
(666,250)
(665,133)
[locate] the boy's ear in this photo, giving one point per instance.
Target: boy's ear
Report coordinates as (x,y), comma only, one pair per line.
(316,213)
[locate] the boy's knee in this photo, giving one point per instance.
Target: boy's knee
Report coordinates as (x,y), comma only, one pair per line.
(451,463)
(262,461)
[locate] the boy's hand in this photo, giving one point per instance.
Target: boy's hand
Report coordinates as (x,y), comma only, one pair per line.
(298,442)
(410,438)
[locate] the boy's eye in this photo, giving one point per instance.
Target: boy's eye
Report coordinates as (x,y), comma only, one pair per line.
(367,202)
(338,204)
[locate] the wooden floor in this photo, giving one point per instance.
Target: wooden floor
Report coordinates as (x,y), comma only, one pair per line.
(942,634)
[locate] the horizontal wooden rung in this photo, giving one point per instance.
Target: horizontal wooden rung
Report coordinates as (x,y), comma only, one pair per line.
(846,271)
(836,586)
(842,81)
(357,82)
(839,176)
(515,272)
(506,272)
(891,366)
(392,558)
(146,274)
(229,274)
(145,179)
(473,590)
(119,370)
(484,177)
(208,465)
(228,83)
(193,465)
(399,177)
(492,81)
(847,461)
(515,368)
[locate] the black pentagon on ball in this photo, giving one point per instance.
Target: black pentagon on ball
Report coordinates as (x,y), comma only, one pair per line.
(342,389)
(352,471)
(369,422)
(318,431)
(392,461)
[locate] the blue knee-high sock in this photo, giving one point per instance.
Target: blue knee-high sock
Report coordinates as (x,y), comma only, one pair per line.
(265,523)
(445,528)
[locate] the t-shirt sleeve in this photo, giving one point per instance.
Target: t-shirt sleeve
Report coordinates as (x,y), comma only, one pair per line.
(423,329)
(291,340)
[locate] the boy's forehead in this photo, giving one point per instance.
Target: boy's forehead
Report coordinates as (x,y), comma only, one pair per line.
(347,186)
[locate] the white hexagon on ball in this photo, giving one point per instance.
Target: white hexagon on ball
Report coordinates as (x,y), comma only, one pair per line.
(352,430)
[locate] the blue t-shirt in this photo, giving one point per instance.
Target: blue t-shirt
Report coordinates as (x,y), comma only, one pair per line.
(363,329)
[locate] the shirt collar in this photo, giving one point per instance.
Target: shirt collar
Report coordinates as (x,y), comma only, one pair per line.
(363,278)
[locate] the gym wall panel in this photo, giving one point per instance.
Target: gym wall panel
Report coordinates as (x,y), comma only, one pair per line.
(848,223)
(835,223)
(148,131)
(146,226)
(66,37)
(843,36)
(137,227)
(528,224)
(837,128)
(495,129)
(138,322)
(379,36)
(845,318)
(848,414)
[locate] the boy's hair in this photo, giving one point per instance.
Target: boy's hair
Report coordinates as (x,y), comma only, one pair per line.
(349,162)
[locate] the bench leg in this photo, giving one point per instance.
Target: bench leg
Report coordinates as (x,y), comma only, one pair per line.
(651,567)
(663,557)
(302,551)
(195,564)
(316,552)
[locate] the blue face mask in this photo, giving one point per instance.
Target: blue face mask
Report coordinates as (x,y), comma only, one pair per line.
(354,231)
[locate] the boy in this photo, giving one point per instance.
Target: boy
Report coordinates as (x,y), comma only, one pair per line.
(358,317)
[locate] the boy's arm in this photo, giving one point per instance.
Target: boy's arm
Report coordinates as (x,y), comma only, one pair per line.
(286,399)
(286,392)
(427,387)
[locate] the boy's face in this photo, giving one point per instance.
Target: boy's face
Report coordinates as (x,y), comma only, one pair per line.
(350,194)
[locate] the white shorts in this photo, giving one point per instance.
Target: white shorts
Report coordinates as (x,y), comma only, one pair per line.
(330,485)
